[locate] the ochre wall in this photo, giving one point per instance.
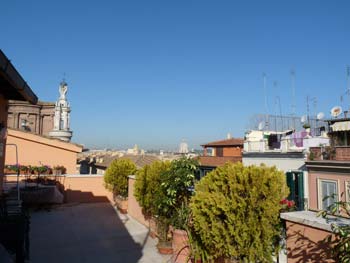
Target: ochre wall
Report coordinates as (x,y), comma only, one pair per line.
(313,187)
(86,189)
(34,152)
(232,151)
(3,119)
(304,244)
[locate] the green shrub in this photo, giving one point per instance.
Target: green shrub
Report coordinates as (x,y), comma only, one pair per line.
(235,212)
(147,185)
(116,176)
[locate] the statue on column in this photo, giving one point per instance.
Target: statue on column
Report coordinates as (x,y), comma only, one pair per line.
(61,117)
(63,90)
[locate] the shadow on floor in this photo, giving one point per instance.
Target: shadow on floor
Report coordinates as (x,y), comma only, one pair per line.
(76,196)
(81,233)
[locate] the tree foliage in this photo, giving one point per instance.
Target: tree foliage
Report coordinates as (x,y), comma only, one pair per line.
(177,185)
(147,186)
(116,176)
(235,212)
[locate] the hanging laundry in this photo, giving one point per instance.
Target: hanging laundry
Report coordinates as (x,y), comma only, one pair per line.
(298,138)
(272,139)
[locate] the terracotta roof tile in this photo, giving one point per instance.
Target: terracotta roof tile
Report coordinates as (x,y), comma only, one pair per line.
(214,161)
(227,142)
(139,160)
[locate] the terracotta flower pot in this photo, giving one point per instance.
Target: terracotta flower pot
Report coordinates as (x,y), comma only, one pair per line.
(122,204)
(165,248)
(153,228)
(180,246)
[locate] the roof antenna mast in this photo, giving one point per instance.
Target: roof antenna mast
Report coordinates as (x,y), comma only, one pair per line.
(265,102)
(348,80)
(293,107)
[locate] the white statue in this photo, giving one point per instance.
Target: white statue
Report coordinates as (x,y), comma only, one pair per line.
(63,90)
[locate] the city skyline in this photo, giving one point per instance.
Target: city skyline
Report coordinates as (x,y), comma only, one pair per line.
(155,73)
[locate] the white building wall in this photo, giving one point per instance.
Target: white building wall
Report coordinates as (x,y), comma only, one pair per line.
(283,164)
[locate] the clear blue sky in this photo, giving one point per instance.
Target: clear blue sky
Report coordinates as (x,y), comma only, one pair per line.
(155,72)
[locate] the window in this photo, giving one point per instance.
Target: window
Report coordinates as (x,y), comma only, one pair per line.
(210,152)
(328,193)
(219,151)
(347,191)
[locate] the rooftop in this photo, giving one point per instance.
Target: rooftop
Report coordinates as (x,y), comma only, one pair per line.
(12,84)
(226,142)
(214,161)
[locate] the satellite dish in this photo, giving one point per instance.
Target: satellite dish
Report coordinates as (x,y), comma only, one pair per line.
(303,118)
(320,116)
(336,111)
(261,126)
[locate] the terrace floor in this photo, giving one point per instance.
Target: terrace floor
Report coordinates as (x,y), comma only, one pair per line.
(89,233)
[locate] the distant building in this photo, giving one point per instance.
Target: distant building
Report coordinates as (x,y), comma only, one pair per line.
(35,118)
(328,181)
(183,148)
(139,160)
(218,153)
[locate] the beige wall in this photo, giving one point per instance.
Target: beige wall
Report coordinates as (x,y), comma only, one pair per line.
(3,119)
(282,164)
(315,176)
(304,244)
(86,189)
(37,150)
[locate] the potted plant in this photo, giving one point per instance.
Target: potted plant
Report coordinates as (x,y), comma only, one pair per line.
(116,180)
(226,217)
(164,237)
(180,241)
(59,170)
(147,190)
(176,190)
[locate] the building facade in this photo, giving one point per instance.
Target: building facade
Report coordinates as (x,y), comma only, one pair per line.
(36,118)
(218,153)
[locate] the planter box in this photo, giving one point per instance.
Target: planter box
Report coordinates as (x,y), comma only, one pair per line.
(122,204)
(180,246)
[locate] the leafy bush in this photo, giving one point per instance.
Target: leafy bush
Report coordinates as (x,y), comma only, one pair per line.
(116,176)
(235,212)
(177,183)
(147,185)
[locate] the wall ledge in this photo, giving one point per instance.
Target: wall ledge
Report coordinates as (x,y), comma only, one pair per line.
(310,218)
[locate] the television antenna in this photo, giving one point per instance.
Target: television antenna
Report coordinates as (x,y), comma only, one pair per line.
(265,100)
(336,111)
(261,126)
(303,119)
(320,116)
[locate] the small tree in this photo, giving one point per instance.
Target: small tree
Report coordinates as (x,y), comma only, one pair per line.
(116,176)
(235,212)
(147,185)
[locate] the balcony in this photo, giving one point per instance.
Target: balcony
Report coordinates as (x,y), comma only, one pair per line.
(336,153)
